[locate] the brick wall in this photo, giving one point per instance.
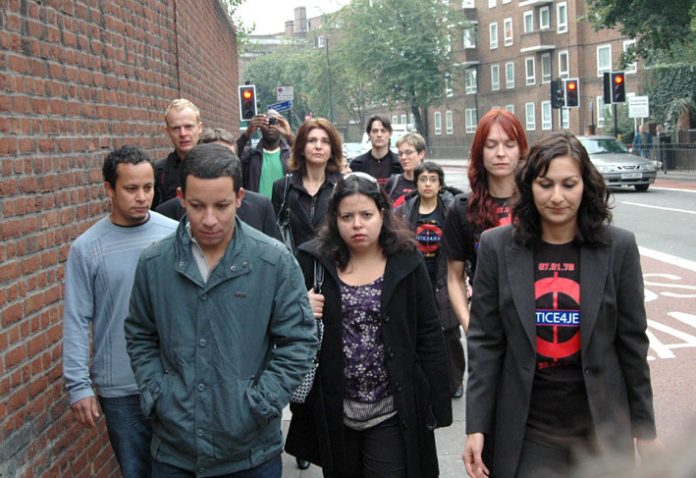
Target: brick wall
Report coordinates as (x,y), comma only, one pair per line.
(78,78)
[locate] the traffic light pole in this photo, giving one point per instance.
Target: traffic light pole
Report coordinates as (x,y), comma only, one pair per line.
(616,123)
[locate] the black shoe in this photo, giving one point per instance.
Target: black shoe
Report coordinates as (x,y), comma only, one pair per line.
(302,464)
(458,393)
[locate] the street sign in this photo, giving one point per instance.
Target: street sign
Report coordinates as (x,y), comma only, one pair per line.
(281,106)
(284,93)
(638,107)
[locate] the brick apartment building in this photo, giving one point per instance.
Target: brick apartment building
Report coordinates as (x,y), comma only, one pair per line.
(507,60)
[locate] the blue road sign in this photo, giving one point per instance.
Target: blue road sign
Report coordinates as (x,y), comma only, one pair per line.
(281,106)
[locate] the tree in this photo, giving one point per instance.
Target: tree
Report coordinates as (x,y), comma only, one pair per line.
(658,26)
(398,51)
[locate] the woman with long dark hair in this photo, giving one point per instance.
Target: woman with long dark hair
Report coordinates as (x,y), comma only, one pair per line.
(315,164)
(498,145)
(557,343)
(382,384)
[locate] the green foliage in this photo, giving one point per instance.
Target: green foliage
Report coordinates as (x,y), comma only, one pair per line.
(658,26)
(241,29)
(671,88)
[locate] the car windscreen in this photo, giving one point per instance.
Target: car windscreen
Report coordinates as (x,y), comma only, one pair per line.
(603,146)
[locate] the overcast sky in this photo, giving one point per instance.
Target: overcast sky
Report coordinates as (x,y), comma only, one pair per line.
(270,15)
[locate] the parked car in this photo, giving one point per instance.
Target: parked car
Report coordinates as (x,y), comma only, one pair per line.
(617,165)
(351,150)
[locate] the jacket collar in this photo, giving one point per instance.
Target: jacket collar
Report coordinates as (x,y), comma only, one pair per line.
(235,262)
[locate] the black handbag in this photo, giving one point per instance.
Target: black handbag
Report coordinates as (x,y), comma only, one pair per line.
(302,391)
(283,218)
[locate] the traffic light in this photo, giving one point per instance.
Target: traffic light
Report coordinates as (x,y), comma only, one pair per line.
(557,94)
(618,87)
(572,92)
(607,88)
(247,102)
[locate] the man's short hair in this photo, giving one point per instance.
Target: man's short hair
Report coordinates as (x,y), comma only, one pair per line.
(382,119)
(123,155)
(212,135)
(211,161)
(180,104)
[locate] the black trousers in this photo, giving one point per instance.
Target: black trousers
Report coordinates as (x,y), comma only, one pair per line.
(457,360)
(378,452)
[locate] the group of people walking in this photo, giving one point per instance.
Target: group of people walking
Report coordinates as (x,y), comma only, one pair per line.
(203,328)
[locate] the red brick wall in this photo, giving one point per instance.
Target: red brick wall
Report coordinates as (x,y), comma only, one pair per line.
(77,79)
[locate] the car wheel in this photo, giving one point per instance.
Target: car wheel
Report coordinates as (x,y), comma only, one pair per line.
(641,188)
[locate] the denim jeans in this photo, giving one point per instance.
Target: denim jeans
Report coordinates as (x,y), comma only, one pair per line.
(273,468)
(129,433)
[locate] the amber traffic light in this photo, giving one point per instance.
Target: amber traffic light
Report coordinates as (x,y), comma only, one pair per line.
(572,93)
(247,102)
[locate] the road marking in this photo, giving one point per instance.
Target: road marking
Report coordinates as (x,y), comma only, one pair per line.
(650,206)
(668,258)
(660,188)
(688,319)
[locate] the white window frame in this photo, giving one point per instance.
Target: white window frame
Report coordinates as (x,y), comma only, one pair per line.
(510,75)
(470,120)
(562,18)
(470,81)
(468,3)
(395,119)
(563,73)
(492,3)
(528,21)
(546,116)
(449,91)
(403,118)
(544,25)
(437,123)
(633,67)
(507,31)
(529,77)
(601,108)
(470,37)
(493,35)
(506,1)
(449,122)
(321,43)
(603,68)
(564,115)
(495,77)
(529,117)
(510,108)
(546,72)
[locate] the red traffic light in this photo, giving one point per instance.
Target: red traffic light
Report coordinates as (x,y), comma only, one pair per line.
(572,85)
(247,94)
(618,79)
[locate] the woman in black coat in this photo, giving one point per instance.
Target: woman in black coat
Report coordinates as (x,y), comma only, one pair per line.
(315,165)
(382,385)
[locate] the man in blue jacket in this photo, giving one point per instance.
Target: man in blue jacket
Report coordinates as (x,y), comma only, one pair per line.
(220,332)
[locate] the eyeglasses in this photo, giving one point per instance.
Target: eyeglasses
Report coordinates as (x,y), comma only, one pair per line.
(428,179)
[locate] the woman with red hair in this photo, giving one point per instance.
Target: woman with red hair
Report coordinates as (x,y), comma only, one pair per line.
(498,145)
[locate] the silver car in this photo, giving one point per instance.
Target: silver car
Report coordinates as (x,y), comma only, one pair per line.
(617,165)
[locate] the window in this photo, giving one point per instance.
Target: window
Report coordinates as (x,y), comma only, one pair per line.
(412,119)
(403,118)
(546,67)
(509,75)
(495,77)
(437,120)
(395,119)
(470,86)
(565,118)
(530,119)
(493,32)
(631,67)
(470,120)
(563,71)
(449,122)
(469,38)
(546,115)
(562,17)
(510,108)
(528,20)
(603,59)
(448,85)
(602,111)
(491,3)
(544,18)
(448,44)
(320,41)
(506,1)
(507,31)
(530,75)
(468,4)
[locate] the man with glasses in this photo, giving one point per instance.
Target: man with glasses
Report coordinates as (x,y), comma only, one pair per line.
(380,162)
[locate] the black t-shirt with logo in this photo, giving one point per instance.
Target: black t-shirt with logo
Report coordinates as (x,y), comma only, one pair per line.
(400,188)
(559,409)
(429,236)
